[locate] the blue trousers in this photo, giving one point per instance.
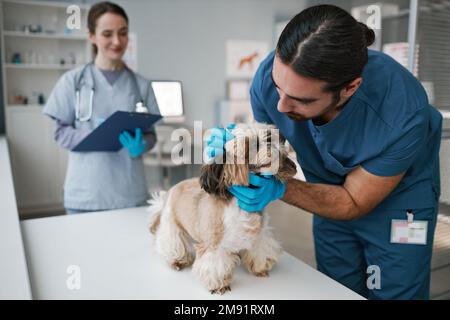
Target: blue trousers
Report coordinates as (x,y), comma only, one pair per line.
(345,249)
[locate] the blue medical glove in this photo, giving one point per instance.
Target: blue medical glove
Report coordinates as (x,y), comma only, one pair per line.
(135,145)
(216,142)
(261,191)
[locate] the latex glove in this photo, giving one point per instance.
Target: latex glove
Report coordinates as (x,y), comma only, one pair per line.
(216,142)
(135,145)
(261,191)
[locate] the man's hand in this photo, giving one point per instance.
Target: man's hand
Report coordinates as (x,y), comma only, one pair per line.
(135,145)
(261,191)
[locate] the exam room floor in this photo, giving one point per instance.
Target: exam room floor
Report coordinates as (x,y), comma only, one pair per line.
(293,227)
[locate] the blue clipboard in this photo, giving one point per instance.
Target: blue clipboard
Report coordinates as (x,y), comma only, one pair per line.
(106,136)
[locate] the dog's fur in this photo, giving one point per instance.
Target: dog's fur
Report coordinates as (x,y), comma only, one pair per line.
(199,217)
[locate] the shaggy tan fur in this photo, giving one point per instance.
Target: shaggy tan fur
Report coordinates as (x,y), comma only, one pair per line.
(199,217)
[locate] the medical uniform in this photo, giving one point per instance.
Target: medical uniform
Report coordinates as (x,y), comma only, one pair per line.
(100,180)
(387,127)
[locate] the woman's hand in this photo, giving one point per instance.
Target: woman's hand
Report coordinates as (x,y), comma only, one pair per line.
(135,145)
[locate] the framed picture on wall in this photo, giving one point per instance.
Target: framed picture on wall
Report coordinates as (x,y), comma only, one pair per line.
(244,57)
(238,111)
(238,89)
(130,56)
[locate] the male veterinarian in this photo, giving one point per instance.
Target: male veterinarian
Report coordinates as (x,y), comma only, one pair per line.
(367,141)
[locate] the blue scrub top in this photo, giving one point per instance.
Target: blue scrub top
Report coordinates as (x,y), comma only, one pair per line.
(387,127)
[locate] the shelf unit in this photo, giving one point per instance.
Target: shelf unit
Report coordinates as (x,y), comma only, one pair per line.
(38,164)
(433,28)
(424,24)
(43,35)
(41,66)
(44,55)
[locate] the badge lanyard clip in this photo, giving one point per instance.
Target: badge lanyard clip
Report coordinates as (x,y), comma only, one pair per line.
(410,216)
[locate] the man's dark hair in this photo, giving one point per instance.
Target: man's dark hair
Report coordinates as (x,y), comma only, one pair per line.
(325,42)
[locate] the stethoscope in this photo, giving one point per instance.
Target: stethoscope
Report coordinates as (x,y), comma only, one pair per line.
(140,106)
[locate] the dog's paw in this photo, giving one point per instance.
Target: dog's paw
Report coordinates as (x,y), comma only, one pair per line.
(220,291)
(262,274)
(261,269)
(177,265)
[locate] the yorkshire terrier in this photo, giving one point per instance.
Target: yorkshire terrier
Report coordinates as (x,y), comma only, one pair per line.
(199,222)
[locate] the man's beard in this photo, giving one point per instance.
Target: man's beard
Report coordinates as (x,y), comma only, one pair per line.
(298,117)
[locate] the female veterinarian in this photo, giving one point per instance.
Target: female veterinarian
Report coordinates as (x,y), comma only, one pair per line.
(85,97)
(367,141)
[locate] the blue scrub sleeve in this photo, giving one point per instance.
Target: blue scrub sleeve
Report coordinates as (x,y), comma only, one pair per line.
(256,100)
(61,103)
(405,143)
(67,137)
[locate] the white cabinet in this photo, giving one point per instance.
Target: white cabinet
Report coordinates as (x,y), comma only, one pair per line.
(37,48)
(38,164)
(234,111)
(445,167)
(423,25)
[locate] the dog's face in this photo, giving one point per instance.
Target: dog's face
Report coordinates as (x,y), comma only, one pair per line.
(256,148)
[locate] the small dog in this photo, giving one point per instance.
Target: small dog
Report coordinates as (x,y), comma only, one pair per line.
(201,215)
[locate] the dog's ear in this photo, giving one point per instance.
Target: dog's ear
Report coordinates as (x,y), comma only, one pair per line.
(212,180)
(287,169)
(235,174)
(237,161)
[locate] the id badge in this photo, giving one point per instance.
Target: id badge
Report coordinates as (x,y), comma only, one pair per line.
(409,231)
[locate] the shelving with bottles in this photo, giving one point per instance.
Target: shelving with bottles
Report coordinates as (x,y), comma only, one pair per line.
(38,47)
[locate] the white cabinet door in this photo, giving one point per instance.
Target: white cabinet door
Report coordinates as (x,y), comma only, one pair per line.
(37,162)
(445,169)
